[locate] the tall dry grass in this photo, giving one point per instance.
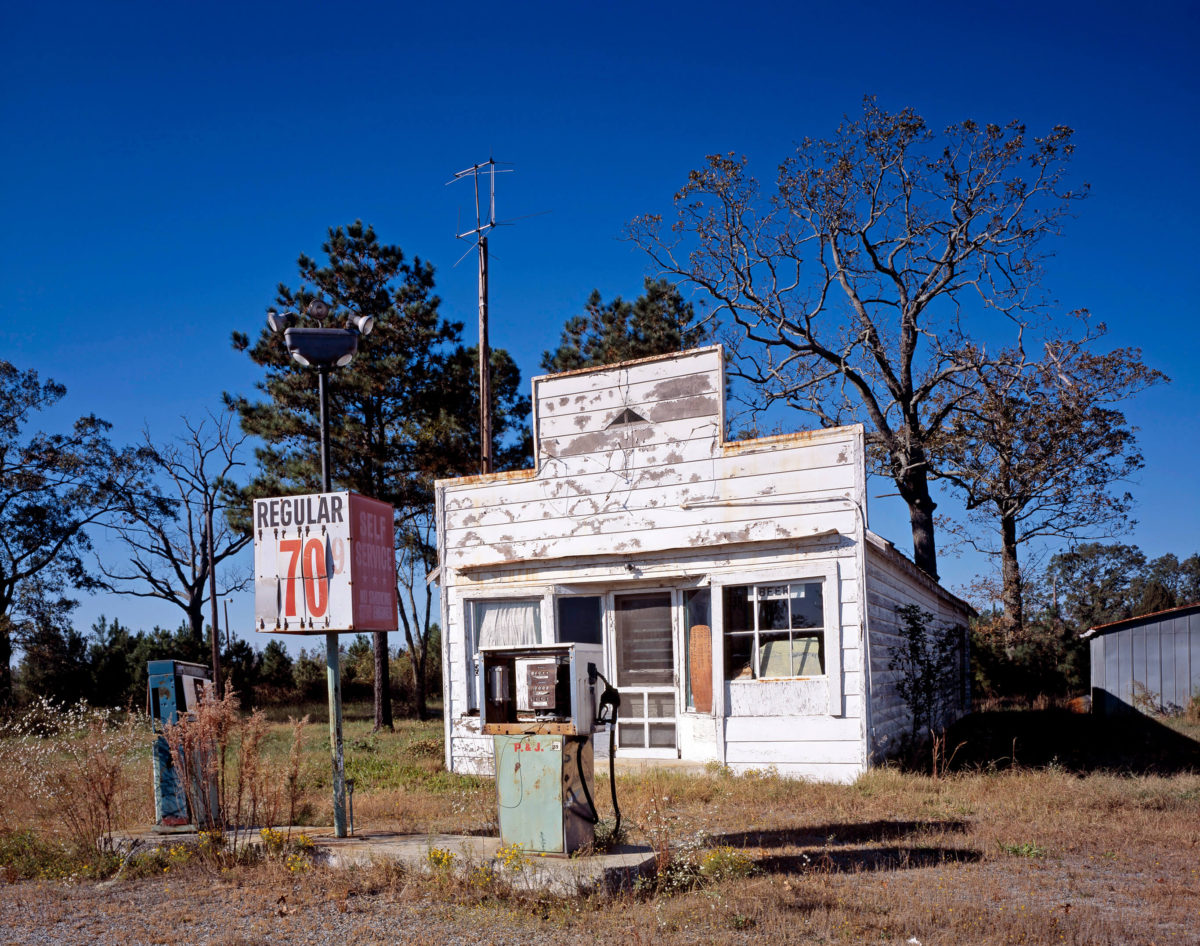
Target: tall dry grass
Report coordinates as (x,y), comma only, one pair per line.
(231,784)
(72,773)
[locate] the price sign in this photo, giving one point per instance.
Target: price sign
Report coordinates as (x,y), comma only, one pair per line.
(324,563)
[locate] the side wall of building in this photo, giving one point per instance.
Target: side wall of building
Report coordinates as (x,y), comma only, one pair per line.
(1153,665)
(893,582)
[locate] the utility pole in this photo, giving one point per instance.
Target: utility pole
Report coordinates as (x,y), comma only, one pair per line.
(484,222)
(212,596)
(485,365)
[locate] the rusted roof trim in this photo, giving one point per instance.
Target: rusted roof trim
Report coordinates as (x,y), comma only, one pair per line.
(508,476)
(1114,625)
(733,447)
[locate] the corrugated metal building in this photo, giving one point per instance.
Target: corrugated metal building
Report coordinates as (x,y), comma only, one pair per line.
(1150,663)
(726,581)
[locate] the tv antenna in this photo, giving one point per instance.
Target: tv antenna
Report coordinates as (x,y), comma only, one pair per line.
(484,222)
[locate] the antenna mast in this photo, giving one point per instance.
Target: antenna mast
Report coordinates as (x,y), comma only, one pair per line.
(484,222)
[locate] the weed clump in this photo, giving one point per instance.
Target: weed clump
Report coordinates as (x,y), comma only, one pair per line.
(72,764)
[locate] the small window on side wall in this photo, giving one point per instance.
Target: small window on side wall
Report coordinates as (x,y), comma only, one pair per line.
(579,620)
(775,630)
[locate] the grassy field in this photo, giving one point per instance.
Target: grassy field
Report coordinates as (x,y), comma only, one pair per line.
(1050,828)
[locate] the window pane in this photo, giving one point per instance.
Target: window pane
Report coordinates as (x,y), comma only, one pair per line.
(774,655)
(661,705)
(808,609)
(579,619)
(808,655)
(773,614)
(632,736)
(737,609)
(662,735)
(738,651)
(500,623)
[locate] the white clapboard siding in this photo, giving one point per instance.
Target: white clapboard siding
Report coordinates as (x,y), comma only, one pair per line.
(634,487)
(845,752)
(791,729)
(603,492)
(893,581)
(606,537)
(839,773)
(669,482)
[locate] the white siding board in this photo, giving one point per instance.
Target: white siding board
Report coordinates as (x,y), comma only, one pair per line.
(590,494)
(789,729)
(845,752)
(844,773)
(599,417)
(640,381)
(645,536)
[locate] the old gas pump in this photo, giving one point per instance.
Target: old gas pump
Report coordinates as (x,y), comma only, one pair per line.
(175,689)
(540,709)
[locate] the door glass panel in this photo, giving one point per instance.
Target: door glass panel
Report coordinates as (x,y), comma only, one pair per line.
(662,735)
(632,736)
(645,655)
(661,705)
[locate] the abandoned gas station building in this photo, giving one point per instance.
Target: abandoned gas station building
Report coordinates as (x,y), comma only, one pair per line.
(744,607)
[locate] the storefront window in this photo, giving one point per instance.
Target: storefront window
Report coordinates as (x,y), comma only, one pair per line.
(775,630)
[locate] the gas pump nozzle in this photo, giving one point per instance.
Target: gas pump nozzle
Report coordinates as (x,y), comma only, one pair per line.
(610,699)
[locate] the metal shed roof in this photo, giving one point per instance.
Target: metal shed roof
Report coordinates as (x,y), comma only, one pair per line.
(1137,619)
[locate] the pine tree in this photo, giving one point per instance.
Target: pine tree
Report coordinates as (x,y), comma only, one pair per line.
(657,322)
(400,414)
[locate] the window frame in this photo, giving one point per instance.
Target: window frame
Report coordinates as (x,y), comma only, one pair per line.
(471,634)
(758,636)
(828,572)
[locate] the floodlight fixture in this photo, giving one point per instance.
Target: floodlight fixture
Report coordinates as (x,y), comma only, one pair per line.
(364,324)
(321,347)
(280,323)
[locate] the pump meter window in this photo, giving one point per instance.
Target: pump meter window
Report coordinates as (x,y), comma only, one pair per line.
(774,630)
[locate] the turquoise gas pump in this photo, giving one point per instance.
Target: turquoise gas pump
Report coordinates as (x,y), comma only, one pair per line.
(175,688)
(540,710)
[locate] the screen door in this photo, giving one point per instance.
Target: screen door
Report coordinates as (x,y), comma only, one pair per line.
(645,664)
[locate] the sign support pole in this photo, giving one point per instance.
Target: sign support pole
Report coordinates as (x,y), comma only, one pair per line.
(332,662)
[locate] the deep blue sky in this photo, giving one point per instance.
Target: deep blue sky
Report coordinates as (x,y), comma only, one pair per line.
(164,164)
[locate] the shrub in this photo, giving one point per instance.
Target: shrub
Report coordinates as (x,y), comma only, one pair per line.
(73,764)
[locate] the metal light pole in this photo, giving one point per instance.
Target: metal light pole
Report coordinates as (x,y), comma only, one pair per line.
(333,669)
(324,349)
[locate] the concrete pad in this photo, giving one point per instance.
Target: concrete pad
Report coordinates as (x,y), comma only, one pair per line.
(565,876)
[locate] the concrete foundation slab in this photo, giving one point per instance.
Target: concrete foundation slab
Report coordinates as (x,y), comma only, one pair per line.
(565,876)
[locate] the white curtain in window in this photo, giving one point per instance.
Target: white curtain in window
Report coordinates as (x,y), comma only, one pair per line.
(502,623)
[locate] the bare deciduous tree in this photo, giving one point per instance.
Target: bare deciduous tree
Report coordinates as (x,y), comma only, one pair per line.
(1035,446)
(167,540)
(848,287)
